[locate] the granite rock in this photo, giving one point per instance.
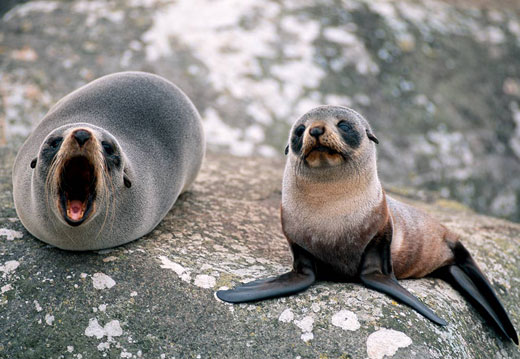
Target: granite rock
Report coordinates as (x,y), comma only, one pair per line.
(154,297)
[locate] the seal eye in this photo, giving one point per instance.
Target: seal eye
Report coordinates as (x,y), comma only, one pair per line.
(349,134)
(345,126)
(55,143)
(109,149)
(299,130)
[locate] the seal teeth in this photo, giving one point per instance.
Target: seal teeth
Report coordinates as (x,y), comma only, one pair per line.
(75,209)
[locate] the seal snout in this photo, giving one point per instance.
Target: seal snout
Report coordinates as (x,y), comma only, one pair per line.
(321,146)
(317,131)
(81,136)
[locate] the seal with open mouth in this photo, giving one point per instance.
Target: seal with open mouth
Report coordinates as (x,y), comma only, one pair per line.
(107,162)
(341,225)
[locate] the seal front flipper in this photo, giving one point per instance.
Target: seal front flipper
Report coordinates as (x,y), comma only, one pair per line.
(300,278)
(466,276)
(377,273)
(286,284)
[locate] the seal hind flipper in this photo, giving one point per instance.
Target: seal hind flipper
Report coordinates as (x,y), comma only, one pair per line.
(286,284)
(300,278)
(377,273)
(466,277)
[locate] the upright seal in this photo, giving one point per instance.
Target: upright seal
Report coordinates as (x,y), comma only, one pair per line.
(107,162)
(341,225)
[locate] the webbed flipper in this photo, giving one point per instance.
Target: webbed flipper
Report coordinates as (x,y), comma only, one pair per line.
(377,273)
(300,278)
(466,276)
(283,285)
(388,284)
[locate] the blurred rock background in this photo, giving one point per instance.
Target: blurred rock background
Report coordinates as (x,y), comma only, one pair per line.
(438,80)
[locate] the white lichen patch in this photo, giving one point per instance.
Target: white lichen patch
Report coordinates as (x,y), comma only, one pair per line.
(97,10)
(49,319)
(103,346)
(102,281)
(224,135)
(10,234)
(286,316)
(354,50)
(205,281)
(9,267)
(346,320)
(306,325)
(33,6)
(182,272)
(37,306)
(235,57)
(306,337)
(386,342)
(6,288)
(111,329)
(94,329)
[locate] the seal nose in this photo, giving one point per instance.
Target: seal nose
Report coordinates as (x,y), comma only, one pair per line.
(317,131)
(81,136)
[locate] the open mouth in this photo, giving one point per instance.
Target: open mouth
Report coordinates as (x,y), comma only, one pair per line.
(77,190)
(324,149)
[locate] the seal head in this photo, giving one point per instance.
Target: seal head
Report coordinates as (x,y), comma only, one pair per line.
(79,167)
(330,142)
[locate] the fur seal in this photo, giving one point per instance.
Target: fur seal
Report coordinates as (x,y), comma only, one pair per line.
(107,162)
(341,225)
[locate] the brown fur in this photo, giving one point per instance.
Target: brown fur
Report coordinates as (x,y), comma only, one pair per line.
(426,242)
(333,206)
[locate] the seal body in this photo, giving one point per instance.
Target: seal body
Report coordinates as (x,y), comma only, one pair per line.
(107,162)
(341,225)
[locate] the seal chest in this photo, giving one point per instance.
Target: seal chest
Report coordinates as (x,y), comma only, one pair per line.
(325,220)
(107,162)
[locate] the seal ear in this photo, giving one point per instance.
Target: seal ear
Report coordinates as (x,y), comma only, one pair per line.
(286,150)
(33,163)
(127,181)
(371,136)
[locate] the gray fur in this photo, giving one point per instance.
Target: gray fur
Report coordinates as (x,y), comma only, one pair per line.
(159,134)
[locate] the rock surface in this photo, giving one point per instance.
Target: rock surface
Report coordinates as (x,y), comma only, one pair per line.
(154,298)
(445,73)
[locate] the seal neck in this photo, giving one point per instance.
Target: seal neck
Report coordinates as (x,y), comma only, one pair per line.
(356,186)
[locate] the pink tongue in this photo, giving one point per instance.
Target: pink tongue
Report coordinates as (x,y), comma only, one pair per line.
(75,207)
